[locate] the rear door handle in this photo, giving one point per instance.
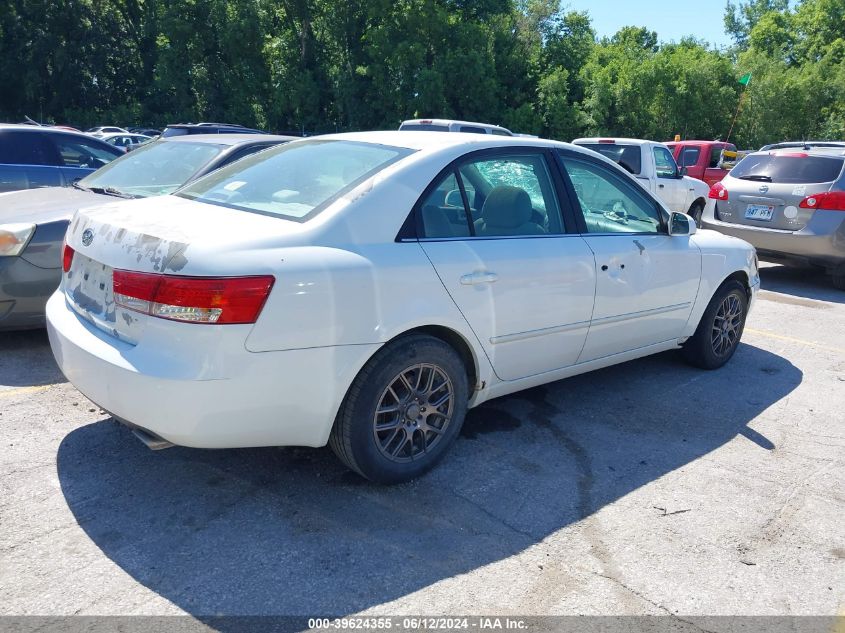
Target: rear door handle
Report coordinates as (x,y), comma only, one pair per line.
(661,186)
(479,277)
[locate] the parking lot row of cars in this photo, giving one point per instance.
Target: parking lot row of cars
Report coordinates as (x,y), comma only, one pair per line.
(364,290)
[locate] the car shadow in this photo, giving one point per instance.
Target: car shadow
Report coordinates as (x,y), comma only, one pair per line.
(26,360)
(291,532)
(810,283)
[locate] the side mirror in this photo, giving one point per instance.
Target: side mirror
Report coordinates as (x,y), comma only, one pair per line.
(681,224)
(682,172)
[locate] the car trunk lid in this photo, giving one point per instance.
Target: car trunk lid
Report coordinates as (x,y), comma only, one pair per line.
(155,235)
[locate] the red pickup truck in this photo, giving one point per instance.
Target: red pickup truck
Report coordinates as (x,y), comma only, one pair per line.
(701,158)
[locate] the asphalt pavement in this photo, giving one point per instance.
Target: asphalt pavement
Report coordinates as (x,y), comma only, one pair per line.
(646,488)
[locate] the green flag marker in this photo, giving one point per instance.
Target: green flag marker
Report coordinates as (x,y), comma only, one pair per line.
(745,79)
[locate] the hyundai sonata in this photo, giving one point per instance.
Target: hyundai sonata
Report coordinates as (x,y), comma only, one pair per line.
(364,290)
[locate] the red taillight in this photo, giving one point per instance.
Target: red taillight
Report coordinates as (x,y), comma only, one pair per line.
(607,141)
(67,257)
(718,192)
(831,201)
(195,299)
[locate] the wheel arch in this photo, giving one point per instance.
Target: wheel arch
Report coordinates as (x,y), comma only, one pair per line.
(454,339)
(742,277)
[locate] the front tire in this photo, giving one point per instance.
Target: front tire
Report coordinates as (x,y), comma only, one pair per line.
(720,329)
(403,410)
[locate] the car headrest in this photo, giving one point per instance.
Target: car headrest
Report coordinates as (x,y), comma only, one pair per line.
(507,207)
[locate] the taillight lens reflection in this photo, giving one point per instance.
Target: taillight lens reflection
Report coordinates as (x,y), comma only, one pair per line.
(718,192)
(218,300)
(831,201)
(67,258)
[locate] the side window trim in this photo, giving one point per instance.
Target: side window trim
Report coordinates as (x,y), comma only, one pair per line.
(465,199)
(581,221)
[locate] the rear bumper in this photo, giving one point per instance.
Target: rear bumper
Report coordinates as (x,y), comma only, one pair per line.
(24,289)
(197,386)
(821,242)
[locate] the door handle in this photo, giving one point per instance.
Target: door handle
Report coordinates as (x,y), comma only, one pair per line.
(661,186)
(479,277)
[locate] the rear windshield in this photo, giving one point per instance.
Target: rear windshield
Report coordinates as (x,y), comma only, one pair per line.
(788,169)
(154,169)
(294,181)
(628,156)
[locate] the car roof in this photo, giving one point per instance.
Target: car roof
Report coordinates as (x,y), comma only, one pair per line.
(450,121)
(438,140)
(833,152)
(690,140)
(616,139)
(227,139)
(23,127)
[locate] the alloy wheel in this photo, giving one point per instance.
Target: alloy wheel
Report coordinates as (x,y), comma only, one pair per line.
(413,412)
(727,325)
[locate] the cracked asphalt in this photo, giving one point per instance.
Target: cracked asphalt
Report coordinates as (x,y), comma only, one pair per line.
(646,488)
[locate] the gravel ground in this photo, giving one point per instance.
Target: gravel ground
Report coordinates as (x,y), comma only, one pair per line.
(647,488)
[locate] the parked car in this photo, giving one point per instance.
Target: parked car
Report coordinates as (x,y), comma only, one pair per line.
(451,125)
(789,204)
(99,131)
(33,223)
(146,131)
(180,129)
(126,141)
(702,159)
(654,167)
(35,156)
(336,289)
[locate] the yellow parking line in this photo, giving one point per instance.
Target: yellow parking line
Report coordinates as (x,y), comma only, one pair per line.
(795,340)
(16,391)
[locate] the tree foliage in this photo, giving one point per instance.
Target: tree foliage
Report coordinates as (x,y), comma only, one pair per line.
(321,65)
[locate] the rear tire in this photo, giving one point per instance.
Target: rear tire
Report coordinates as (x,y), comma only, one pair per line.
(720,329)
(403,410)
(695,212)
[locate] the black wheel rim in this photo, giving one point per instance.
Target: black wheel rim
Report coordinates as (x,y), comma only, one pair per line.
(413,412)
(726,326)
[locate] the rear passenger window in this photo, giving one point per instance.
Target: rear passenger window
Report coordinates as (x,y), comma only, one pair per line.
(25,148)
(443,213)
(689,156)
(507,196)
(715,155)
(473,130)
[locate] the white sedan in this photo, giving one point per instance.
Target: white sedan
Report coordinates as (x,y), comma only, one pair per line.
(364,290)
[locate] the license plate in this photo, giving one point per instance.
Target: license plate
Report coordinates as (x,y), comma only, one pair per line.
(759,212)
(89,286)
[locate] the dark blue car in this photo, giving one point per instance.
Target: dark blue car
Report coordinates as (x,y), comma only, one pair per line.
(33,156)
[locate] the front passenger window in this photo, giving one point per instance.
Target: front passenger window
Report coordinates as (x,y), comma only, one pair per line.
(609,204)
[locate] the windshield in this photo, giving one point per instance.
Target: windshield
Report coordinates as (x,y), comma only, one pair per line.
(797,168)
(294,181)
(153,169)
(627,156)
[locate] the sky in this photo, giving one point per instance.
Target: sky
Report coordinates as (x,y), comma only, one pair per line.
(672,19)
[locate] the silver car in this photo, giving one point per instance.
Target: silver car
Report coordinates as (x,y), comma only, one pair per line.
(788,203)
